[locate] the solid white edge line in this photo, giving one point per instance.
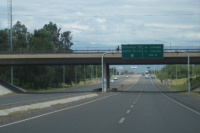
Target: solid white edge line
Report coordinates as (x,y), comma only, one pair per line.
(54,111)
(12,123)
(37,100)
(194,111)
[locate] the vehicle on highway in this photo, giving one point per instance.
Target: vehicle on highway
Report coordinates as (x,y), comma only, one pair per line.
(146,76)
(115,78)
(127,76)
(112,80)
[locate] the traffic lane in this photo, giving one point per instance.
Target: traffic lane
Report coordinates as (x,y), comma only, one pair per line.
(30,97)
(24,98)
(103,115)
(153,112)
(141,109)
(188,99)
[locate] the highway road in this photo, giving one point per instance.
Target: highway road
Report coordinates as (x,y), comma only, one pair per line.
(34,97)
(145,107)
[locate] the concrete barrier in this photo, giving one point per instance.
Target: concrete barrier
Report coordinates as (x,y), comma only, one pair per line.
(11,87)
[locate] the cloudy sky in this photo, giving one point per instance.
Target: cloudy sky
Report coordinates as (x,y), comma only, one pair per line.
(113,22)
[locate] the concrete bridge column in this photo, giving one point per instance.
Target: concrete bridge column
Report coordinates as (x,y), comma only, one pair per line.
(106,78)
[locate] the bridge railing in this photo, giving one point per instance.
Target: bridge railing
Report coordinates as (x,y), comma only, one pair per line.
(2,51)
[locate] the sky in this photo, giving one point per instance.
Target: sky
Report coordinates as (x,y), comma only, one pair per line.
(112,22)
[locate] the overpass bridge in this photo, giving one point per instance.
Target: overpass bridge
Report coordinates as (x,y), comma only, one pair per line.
(109,58)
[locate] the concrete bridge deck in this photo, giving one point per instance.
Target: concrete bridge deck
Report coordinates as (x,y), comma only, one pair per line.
(93,59)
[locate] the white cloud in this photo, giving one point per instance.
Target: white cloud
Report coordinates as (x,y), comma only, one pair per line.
(159,25)
(112,21)
(100,20)
(192,35)
(75,26)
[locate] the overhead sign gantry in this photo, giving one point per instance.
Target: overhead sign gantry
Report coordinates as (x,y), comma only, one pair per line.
(142,51)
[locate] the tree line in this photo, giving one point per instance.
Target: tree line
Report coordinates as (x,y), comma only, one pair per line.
(48,38)
(179,72)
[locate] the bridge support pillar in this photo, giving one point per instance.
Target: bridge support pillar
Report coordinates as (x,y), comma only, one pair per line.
(106,78)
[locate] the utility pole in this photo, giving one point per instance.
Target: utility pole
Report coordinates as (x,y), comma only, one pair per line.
(84,73)
(75,76)
(9,5)
(63,76)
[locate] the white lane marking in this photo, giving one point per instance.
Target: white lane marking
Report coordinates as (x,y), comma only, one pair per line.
(194,111)
(63,109)
(132,85)
(56,111)
(134,102)
(122,120)
(181,104)
(131,106)
(36,100)
(128,111)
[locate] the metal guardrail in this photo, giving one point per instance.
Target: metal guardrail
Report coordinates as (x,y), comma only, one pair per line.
(83,51)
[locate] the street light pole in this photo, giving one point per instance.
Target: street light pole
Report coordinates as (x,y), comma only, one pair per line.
(102,75)
(188,70)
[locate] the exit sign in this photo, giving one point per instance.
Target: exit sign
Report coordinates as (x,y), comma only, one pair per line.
(142,51)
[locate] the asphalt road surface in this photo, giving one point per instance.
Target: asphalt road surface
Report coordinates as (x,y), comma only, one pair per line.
(143,108)
(34,97)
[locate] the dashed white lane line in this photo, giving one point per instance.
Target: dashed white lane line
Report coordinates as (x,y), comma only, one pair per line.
(128,111)
(122,120)
(131,106)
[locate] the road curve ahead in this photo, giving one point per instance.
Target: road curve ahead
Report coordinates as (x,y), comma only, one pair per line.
(140,109)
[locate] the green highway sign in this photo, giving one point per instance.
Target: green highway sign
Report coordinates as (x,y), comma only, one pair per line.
(143,51)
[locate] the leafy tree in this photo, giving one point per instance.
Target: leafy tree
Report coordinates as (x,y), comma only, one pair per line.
(20,36)
(66,38)
(197,70)
(4,46)
(4,72)
(55,33)
(41,41)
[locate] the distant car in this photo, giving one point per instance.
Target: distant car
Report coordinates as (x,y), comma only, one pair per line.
(112,80)
(115,78)
(146,76)
(97,90)
(114,89)
(153,77)
(127,76)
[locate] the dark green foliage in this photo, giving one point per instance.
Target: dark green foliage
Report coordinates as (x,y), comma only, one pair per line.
(47,39)
(194,82)
(41,41)
(4,40)
(54,32)
(20,37)
(181,71)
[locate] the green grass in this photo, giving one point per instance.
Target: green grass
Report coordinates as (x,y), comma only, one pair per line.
(180,84)
(81,83)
